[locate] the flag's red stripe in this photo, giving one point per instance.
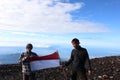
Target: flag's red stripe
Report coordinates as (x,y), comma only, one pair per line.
(47,57)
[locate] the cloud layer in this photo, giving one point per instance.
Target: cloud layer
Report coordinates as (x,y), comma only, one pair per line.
(49,16)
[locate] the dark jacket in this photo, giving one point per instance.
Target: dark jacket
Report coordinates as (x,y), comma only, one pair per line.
(79,58)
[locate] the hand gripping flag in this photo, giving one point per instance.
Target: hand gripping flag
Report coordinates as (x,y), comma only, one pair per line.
(43,62)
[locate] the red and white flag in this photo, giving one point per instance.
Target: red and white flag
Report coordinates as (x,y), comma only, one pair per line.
(43,62)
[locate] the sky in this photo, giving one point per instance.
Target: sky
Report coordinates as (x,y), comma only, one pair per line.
(56,22)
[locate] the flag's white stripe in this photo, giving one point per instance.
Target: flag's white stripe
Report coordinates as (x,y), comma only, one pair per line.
(43,64)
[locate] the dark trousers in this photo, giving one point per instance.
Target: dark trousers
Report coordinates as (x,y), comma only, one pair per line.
(29,77)
(79,75)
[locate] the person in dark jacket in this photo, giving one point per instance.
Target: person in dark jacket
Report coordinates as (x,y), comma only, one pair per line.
(24,60)
(79,58)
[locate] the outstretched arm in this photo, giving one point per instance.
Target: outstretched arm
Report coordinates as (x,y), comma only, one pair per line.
(70,60)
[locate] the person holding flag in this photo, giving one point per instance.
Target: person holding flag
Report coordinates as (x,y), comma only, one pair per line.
(24,60)
(79,57)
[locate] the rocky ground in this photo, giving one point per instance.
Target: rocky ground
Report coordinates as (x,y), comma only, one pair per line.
(106,68)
